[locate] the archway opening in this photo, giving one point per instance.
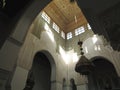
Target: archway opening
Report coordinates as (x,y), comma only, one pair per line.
(104,76)
(39,77)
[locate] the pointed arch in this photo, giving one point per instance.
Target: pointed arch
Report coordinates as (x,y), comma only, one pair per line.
(104,75)
(100,57)
(42,74)
(52,63)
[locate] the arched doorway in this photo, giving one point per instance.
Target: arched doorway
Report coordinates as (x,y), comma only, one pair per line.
(41,73)
(104,76)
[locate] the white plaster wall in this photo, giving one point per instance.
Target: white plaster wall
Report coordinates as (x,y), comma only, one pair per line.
(82,87)
(19,79)
(33,45)
(8,55)
(59,86)
(105,51)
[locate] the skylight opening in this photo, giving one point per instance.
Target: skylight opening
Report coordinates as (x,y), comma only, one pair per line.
(56,28)
(45,17)
(69,35)
(79,31)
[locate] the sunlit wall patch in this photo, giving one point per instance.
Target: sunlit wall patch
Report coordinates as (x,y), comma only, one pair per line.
(94,39)
(95,48)
(89,27)
(75,57)
(86,50)
(64,55)
(49,32)
(99,47)
(62,34)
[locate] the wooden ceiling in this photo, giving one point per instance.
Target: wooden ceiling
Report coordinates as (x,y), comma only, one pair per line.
(63,13)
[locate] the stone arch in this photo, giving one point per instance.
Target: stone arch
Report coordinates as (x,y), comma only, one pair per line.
(100,57)
(28,16)
(42,74)
(52,63)
(104,75)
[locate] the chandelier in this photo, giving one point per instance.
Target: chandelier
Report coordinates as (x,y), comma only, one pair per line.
(83,66)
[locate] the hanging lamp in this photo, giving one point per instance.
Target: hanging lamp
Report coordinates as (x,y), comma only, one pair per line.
(83,66)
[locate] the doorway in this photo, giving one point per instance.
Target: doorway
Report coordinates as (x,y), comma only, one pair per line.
(39,77)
